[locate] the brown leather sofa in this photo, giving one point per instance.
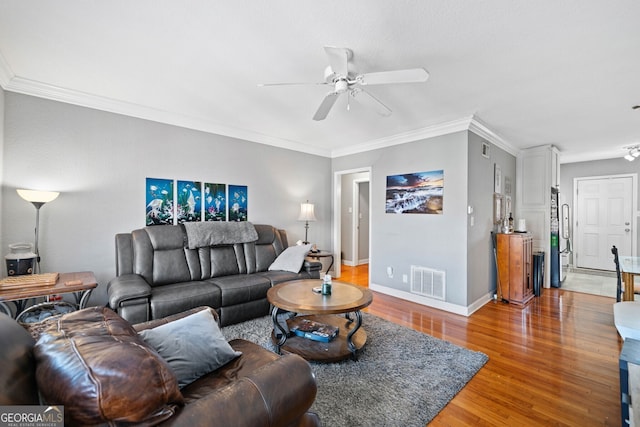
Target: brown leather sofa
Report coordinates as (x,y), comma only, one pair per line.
(162,270)
(258,388)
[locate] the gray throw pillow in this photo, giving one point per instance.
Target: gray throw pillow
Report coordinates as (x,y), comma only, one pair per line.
(192,346)
(291,259)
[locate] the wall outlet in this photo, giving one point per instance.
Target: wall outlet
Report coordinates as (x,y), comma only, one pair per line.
(405,278)
(390,272)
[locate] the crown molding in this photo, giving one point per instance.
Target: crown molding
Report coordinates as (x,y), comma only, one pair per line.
(411,136)
(479,128)
(588,157)
(469,123)
(10,82)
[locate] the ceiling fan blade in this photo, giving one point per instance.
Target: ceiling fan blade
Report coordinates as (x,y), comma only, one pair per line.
(370,101)
(326,105)
(339,59)
(412,75)
(291,84)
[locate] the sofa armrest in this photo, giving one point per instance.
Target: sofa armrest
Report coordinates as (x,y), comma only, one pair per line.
(258,399)
(127,287)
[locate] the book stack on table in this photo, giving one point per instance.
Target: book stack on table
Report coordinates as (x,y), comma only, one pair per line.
(315,331)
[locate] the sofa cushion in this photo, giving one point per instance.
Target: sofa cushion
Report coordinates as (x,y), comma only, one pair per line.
(291,259)
(179,297)
(241,288)
(193,346)
(93,362)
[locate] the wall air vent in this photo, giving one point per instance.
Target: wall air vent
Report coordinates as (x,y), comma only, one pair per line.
(428,282)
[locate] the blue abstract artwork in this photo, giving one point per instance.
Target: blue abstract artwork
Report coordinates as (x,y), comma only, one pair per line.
(238,203)
(215,202)
(189,203)
(159,201)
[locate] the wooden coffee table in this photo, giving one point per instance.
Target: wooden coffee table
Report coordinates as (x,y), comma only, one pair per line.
(298,299)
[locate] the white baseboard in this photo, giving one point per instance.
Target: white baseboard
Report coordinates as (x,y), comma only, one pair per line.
(429,302)
(353,264)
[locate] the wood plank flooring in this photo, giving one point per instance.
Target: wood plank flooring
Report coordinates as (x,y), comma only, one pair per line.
(552,363)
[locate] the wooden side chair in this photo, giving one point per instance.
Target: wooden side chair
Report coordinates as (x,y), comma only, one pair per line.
(620,289)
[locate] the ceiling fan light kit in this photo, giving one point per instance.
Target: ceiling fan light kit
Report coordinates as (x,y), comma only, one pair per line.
(337,75)
(634,151)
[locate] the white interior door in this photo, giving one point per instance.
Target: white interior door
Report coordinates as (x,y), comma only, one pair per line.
(604,217)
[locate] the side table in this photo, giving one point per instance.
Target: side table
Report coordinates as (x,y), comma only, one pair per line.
(322,254)
(81,284)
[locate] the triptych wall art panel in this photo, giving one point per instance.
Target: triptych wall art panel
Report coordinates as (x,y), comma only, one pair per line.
(159,201)
(237,203)
(419,192)
(171,201)
(189,202)
(215,202)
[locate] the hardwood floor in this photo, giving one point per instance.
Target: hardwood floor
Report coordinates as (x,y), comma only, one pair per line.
(554,362)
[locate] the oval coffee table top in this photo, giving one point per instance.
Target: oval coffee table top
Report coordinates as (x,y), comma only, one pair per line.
(298,296)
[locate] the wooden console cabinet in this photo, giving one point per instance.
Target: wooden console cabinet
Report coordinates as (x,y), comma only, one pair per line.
(515,263)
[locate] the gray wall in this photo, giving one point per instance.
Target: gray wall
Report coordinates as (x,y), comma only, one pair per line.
(99,162)
(481,263)
(434,241)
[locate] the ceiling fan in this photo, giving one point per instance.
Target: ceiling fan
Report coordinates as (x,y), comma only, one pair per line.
(338,76)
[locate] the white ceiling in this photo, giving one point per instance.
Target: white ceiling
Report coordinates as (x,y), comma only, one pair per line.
(523,73)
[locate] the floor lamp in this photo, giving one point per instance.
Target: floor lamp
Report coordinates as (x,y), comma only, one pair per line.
(37,198)
(306,215)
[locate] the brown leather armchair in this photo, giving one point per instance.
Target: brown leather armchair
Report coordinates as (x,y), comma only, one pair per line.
(258,388)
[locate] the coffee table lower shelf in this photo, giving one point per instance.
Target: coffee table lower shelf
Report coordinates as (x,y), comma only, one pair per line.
(333,351)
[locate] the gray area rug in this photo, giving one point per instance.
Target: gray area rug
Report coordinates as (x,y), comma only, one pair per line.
(401,378)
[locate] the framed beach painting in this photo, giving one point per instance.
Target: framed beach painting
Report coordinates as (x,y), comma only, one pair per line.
(159,201)
(238,203)
(189,201)
(419,192)
(215,202)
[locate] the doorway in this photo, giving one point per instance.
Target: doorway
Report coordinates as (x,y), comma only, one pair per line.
(360,226)
(352,218)
(604,207)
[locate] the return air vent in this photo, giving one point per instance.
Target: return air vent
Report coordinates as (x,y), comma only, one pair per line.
(428,282)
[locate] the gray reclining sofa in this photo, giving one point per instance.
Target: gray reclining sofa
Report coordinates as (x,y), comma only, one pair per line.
(165,269)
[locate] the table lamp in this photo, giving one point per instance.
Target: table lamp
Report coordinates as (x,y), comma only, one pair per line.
(37,198)
(306,215)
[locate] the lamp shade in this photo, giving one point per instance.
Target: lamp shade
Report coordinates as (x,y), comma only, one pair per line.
(38,196)
(306,212)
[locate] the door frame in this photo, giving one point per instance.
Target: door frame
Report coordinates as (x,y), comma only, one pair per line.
(355,219)
(634,208)
(337,215)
